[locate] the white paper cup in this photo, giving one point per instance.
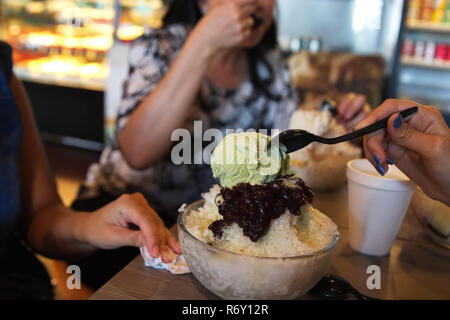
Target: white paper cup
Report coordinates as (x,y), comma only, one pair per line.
(377,205)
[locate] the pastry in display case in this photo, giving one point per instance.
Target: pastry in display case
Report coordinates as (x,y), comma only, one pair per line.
(65,42)
(64,49)
(135,15)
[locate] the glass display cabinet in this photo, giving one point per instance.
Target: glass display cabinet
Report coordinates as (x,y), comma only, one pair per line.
(65,42)
(63,49)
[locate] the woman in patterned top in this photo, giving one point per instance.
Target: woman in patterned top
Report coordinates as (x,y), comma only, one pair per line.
(32,217)
(214,61)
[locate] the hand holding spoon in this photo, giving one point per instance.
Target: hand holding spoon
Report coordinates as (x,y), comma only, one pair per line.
(296,139)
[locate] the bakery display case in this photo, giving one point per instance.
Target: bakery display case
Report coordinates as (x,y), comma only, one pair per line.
(59,42)
(61,49)
(65,42)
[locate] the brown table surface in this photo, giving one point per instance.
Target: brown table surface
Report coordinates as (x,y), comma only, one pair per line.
(415,269)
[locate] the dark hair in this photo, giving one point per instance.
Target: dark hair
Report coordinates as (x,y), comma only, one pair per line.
(187,12)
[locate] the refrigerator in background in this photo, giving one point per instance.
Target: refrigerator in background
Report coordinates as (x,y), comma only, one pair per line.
(423,62)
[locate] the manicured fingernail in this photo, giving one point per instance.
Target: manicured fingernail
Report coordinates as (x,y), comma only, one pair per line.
(377,160)
(380,169)
(398,121)
(389,161)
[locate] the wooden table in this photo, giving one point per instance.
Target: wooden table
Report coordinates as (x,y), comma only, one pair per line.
(415,269)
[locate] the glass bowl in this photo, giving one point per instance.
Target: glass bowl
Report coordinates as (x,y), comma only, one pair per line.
(236,276)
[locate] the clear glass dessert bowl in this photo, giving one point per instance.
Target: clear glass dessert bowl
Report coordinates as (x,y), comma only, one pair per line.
(236,276)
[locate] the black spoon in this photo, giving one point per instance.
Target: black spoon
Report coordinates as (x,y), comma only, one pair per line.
(335,287)
(297,139)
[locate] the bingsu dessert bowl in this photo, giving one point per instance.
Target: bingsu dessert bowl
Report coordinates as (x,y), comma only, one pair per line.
(256,235)
(232,275)
(321,166)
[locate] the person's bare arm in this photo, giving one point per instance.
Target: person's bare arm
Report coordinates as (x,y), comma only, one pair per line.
(146,137)
(166,107)
(58,232)
(42,214)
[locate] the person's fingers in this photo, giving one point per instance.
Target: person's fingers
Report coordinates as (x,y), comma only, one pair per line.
(402,158)
(408,162)
(172,242)
(386,109)
(356,107)
(165,255)
(155,238)
(152,236)
(374,150)
(352,107)
(133,237)
(169,244)
(134,209)
(429,120)
(245,10)
(245,2)
(404,135)
(247,23)
(120,237)
(345,104)
(394,152)
(356,119)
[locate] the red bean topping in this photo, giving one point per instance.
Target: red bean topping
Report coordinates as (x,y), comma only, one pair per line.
(253,207)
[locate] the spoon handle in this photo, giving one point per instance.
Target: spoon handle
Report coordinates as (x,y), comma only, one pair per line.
(366,130)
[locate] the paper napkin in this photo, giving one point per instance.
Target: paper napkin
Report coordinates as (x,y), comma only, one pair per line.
(176,266)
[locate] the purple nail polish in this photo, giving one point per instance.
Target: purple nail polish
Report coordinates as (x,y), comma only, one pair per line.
(380,170)
(390,161)
(377,160)
(398,121)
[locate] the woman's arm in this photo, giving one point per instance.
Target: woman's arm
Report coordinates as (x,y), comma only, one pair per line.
(41,208)
(167,107)
(58,232)
(146,136)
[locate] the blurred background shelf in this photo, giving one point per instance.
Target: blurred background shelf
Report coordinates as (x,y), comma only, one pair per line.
(422,68)
(429,26)
(421,63)
(63,80)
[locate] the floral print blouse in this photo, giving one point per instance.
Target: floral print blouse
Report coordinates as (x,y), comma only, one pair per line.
(166,185)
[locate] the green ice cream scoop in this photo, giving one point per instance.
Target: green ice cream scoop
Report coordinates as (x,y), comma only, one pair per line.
(244,157)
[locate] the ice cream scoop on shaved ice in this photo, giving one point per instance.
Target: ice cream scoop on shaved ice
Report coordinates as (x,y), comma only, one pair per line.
(260,207)
(245,157)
